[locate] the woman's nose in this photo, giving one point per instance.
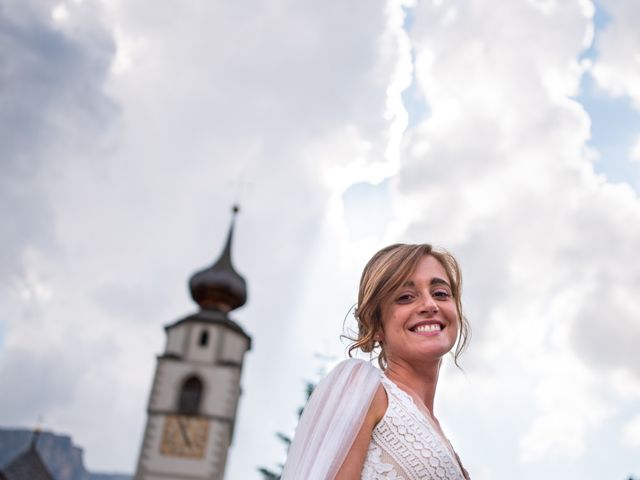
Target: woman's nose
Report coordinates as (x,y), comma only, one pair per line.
(429,305)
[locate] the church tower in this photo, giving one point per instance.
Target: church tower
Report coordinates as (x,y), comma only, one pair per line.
(196,386)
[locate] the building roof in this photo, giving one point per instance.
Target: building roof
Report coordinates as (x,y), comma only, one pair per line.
(27,466)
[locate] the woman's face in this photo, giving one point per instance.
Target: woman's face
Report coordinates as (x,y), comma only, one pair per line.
(420,320)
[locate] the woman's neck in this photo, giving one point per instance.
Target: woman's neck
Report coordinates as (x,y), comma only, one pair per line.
(419,382)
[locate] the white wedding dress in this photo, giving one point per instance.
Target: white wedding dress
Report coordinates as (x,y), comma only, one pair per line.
(405,444)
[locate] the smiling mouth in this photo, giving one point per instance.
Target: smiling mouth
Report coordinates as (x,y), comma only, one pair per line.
(427,327)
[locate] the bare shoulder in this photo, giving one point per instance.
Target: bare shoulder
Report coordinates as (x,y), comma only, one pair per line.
(352,467)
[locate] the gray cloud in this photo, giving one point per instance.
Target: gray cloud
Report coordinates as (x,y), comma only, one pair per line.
(34,385)
(52,99)
(138,183)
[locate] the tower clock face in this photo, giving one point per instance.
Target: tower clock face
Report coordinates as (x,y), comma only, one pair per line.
(184,436)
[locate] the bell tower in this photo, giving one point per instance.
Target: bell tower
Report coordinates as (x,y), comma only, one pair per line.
(196,386)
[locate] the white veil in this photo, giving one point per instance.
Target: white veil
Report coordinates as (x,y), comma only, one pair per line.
(331,420)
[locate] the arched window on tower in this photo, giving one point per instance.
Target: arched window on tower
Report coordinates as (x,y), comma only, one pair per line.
(204,338)
(190,395)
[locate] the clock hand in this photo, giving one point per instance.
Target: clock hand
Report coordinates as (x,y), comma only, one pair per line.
(183,432)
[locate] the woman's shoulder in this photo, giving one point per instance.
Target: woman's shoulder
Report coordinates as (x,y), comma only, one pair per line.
(355,378)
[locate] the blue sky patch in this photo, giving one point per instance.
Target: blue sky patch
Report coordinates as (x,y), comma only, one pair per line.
(615,124)
(413,97)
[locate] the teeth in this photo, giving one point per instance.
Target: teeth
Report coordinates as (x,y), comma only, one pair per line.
(427,328)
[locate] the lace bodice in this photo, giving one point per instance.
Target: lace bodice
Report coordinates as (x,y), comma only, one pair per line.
(405,444)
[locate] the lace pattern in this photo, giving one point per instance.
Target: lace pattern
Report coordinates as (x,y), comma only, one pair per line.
(375,468)
(405,446)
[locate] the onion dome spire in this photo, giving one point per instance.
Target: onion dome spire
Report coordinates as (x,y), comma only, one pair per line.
(220,287)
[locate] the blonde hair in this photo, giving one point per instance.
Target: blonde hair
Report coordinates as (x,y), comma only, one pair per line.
(382,276)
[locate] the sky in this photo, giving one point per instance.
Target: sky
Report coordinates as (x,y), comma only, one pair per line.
(506,132)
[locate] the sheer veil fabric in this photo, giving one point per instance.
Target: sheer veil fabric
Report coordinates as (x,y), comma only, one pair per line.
(331,421)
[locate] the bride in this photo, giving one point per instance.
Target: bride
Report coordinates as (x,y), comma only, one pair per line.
(379,424)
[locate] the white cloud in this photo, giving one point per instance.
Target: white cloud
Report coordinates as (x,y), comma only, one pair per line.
(635,151)
(569,408)
(154,112)
(625,384)
(506,181)
(617,68)
(631,433)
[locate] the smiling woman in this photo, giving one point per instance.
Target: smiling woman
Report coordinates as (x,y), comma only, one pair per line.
(374,424)
(383,276)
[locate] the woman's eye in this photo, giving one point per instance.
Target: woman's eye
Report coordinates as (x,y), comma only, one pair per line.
(441,294)
(407,297)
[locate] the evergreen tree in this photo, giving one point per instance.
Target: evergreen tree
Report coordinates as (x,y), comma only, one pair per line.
(268,474)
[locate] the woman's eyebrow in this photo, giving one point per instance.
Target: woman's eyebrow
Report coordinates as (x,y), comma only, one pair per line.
(439,281)
(434,281)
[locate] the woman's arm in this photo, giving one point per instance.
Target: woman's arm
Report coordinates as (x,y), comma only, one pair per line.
(331,421)
(351,468)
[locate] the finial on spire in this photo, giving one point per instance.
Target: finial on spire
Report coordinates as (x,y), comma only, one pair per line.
(37,430)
